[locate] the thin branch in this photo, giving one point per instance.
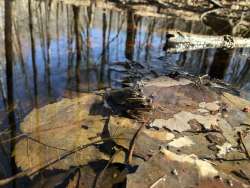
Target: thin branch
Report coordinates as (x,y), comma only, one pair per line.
(243,144)
(133,141)
(35,169)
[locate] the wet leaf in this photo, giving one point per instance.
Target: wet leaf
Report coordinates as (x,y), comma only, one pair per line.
(246,141)
(224,149)
(181,142)
(167,82)
(57,128)
(212,106)
(228,132)
(181,121)
(169,170)
(147,141)
(170,96)
(235,101)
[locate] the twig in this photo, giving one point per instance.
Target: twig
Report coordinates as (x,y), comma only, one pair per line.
(47,145)
(223,159)
(37,131)
(33,170)
(163,178)
(113,39)
(241,174)
(132,143)
(243,144)
(216,3)
(245,124)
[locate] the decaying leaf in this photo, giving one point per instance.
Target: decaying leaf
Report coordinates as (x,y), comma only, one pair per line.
(180,171)
(228,132)
(180,121)
(224,149)
(210,106)
(195,122)
(86,176)
(177,95)
(181,142)
(167,82)
(235,101)
(57,128)
(147,141)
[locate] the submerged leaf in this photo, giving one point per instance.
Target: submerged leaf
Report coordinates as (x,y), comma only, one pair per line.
(57,128)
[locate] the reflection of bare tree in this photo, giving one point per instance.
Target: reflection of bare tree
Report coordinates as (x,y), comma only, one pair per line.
(20,54)
(131,35)
(33,53)
(48,39)
(3,95)
(140,45)
(41,32)
(149,38)
(238,68)
(104,50)
(244,74)
(118,18)
(90,14)
(19,45)
(77,45)
(9,77)
(69,49)
(108,46)
(220,64)
(58,34)
(109,31)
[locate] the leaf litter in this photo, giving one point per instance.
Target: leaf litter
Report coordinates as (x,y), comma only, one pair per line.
(192,124)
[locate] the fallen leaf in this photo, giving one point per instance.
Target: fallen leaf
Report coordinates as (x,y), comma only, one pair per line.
(60,127)
(180,121)
(181,142)
(170,170)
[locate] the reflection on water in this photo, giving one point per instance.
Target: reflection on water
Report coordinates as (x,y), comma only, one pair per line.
(53,49)
(9,79)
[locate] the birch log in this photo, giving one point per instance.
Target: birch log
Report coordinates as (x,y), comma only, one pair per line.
(181,41)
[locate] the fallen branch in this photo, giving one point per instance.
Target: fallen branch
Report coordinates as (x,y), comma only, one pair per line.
(223,159)
(181,41)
